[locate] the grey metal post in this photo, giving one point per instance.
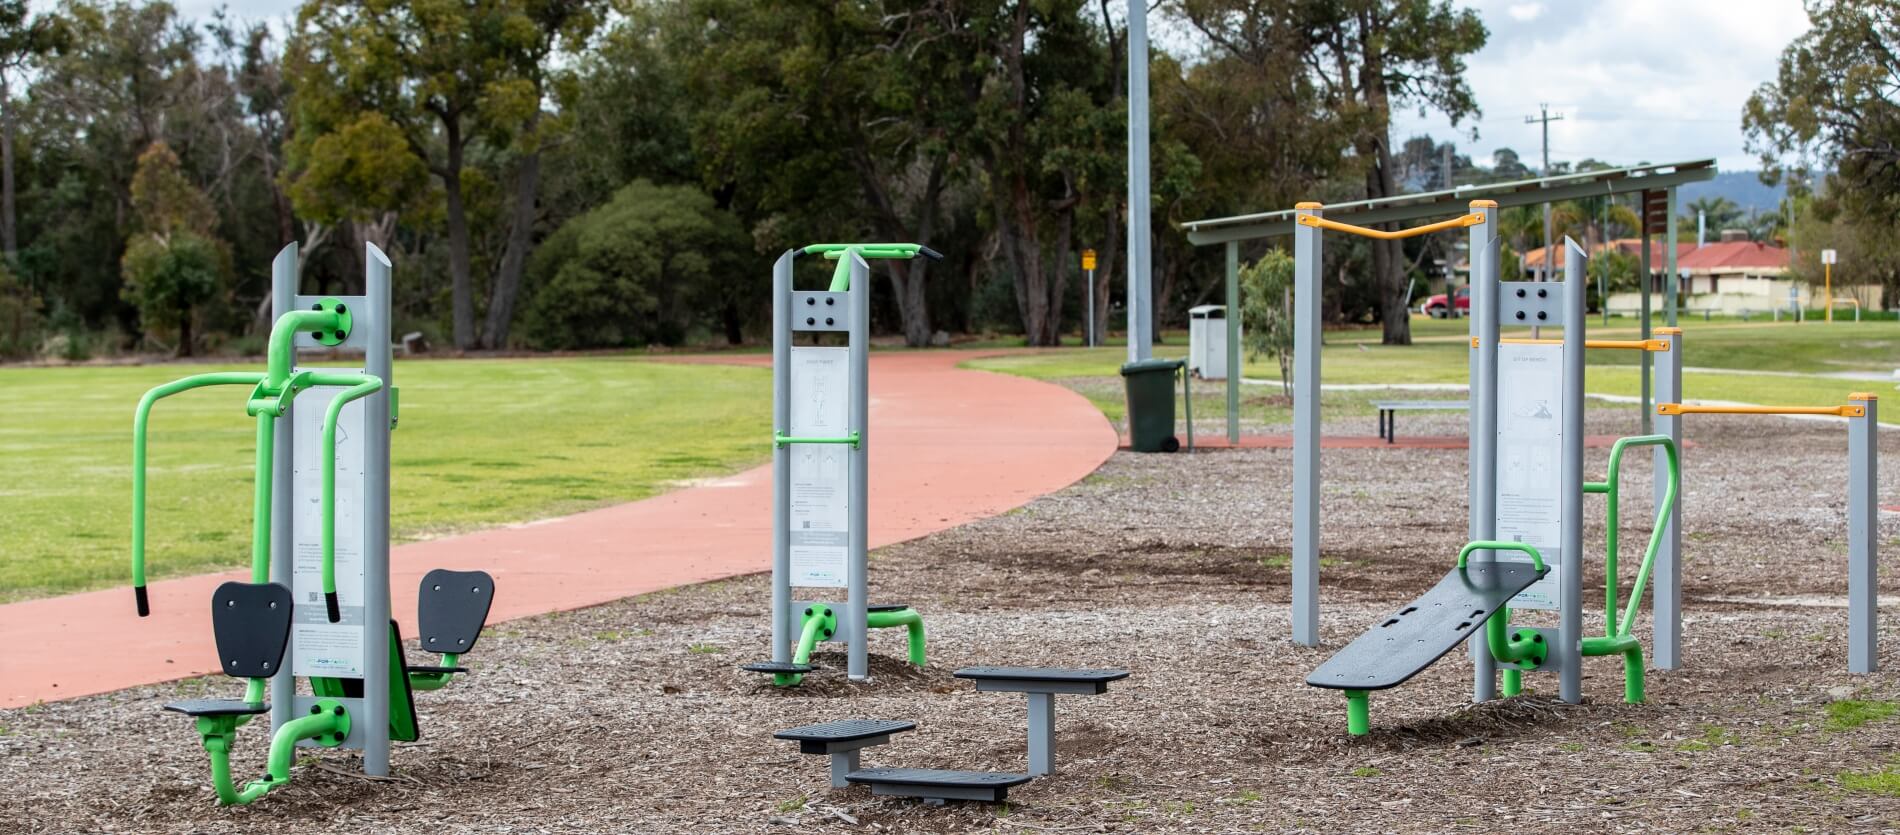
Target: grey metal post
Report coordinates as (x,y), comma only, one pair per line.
(377,361)
(1863,587)
(1088,336)
(1666,599)
(1140,240)
(1307,254)
(283,686)
(1570,474)
(781,459)
(858,666)
(1042,734)
(1647,405)
(1669,264)
(1483,455)
(1233,342)
(843,763)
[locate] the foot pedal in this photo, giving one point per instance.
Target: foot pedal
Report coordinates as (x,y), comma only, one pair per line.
(778,668)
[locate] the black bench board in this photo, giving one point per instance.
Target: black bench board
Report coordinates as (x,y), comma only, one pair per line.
(1041,679)
(1420,633)
(451,607)
(845,730)
(250,623)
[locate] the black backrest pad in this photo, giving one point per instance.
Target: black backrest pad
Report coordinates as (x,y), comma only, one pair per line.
(251,622)
(451,608)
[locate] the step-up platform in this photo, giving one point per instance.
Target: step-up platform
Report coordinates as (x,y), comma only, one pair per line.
(937,786)
(1042,684)
(1421,632)
(842,740)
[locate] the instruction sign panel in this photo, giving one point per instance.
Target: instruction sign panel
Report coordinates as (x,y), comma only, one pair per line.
(1530,458)
(322,648)
(820,473)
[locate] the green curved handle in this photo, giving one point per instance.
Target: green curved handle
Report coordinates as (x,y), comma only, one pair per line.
(1487,545)
(361,386)
(140,417)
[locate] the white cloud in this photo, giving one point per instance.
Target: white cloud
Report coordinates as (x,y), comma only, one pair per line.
(1525,12)
(1634,80)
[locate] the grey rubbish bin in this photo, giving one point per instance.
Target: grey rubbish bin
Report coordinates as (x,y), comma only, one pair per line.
(1150,385)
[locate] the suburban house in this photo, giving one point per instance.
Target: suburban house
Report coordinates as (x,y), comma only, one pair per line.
(1733,276)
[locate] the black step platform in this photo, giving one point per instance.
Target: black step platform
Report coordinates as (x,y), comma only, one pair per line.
(1422,632)
(938,785)
(218,707)
(843,730)
(887,607)
(777,667)
(1041,679)
(423,668)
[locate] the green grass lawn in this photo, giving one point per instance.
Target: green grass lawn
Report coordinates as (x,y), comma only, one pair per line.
(1439,355)
(482,442)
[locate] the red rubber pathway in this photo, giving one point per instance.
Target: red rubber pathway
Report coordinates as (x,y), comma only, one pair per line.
(947,446)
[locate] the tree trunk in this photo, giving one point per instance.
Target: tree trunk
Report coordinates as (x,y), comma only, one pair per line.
(501,299)
(913,305)
(184,335)
(9,230)
(462,293)
(1105,272)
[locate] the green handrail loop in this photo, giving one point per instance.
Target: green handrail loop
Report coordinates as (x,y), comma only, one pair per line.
(1611,518)
(1537,559)
(361,386)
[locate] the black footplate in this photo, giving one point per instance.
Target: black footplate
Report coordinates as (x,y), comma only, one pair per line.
(844,730)
(1422,632)
(777,667)
(218,707)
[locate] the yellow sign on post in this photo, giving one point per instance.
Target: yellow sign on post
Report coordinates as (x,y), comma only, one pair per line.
(1828,257)
(1088,259)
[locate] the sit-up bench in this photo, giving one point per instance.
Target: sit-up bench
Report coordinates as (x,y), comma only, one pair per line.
(1042,684)
(1389,412)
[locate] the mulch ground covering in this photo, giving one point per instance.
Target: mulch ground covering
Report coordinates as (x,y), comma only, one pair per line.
(634,716)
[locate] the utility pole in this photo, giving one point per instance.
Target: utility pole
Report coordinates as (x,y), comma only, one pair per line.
(1140,278)
(1543,265)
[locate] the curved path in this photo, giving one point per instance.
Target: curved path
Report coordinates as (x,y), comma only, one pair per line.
(947,446)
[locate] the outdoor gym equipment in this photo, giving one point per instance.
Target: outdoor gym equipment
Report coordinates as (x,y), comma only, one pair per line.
(1526,497)
(844,739)
(820,417)
(1863,543)
(361,687)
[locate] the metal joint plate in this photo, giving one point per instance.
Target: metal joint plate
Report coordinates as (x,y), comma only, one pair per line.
(359,334)
(1531,303)
(821,310)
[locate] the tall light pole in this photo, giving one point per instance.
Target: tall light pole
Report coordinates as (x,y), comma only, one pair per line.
(1543,265)
(1140,288)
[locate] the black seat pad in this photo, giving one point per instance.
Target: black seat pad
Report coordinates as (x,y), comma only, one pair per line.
(451,607)
(218,707)
(1422,632)
(251,623)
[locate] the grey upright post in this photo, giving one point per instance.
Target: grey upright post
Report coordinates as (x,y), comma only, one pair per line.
(1570,473)
(1307,255)
(1669,265)
(1233,343)
(1042,734)
(1666,599)
(1140,228)
(1647,405)
(1863,587)
(859,667)
(377,362)
(283,686)
(1483,455)
(781,460)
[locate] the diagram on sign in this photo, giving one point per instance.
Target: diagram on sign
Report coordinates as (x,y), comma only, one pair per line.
(1530,441)
(820,475)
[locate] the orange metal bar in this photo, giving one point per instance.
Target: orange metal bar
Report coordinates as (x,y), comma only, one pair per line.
(1651,345)
(1459,222)
(1849,410)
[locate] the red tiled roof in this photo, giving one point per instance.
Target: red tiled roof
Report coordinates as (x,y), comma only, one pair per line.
(1735,255)
(1627,246)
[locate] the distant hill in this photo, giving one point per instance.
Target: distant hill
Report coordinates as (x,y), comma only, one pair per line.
(1743,187)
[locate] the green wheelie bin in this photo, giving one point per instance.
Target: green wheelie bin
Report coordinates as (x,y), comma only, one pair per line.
(1150,385)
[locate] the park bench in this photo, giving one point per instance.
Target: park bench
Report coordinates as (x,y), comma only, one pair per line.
(1389,409)
(842,740)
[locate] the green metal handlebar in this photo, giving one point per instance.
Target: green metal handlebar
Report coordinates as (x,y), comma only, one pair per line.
(781,439)
(1609,486)
(1537,559)
(140,418)
(841,277)
(361,386)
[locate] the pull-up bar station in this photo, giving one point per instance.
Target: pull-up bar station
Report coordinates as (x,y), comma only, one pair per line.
(1863,464)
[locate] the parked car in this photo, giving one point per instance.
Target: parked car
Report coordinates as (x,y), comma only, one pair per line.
(1436,308)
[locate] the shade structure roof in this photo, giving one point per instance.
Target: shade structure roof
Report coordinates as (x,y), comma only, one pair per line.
(1451,202)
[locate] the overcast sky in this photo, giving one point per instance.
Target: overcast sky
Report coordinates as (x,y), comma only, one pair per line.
(1635,80)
